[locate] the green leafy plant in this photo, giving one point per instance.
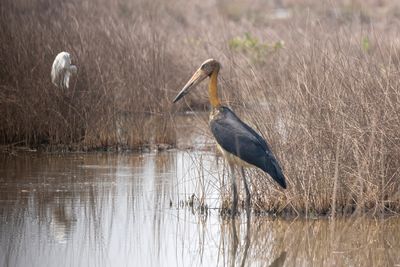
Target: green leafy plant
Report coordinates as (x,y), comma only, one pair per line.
(253,47)
(365,44)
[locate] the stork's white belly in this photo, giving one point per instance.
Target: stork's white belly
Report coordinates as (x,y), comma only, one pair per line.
(232,159)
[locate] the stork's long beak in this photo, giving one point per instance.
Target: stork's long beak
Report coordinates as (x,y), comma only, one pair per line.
(197,77)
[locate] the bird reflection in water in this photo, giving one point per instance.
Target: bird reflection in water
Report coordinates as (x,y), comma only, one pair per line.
(62,218)
(234,257)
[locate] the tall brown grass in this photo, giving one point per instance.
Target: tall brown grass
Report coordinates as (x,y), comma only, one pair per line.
(119,93)
(329,103)
(320,80)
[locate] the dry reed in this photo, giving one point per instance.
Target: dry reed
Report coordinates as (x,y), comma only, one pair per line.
(319,81)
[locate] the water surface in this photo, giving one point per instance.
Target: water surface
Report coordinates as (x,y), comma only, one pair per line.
(105,209)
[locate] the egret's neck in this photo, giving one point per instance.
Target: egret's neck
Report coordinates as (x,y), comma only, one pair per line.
(213,90)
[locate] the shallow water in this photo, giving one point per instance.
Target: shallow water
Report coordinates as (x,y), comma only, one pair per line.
(131,210)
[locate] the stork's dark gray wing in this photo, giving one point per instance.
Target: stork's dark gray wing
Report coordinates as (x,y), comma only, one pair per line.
(238,138)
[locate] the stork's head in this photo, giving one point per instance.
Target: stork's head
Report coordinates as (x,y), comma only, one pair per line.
(206,69)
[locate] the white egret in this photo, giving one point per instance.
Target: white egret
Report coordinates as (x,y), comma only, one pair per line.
(62,70)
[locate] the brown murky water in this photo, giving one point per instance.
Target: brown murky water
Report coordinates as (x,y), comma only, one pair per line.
(126,210)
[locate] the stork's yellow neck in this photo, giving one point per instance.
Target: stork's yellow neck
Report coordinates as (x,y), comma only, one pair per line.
(213,90)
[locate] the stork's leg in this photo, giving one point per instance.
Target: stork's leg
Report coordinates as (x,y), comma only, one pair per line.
(246,187)
(234,245)
(234,191)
